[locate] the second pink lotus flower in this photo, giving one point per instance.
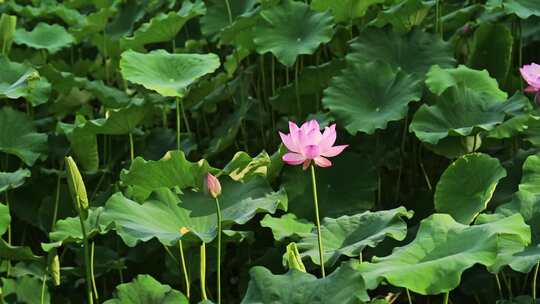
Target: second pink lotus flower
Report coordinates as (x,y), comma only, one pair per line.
(307,143)
(531,74)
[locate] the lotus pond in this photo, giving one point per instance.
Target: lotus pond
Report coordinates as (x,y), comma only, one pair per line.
(269,151)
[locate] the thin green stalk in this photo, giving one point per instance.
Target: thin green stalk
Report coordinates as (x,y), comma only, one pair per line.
(534,281)
(178,124)
(297,93)
(218,251)
(173,42)
(499,287)
(184,269)
(408,295)
(56,202)
(203,271)
(8,271)
(508,284)
(86,261)
(131,147)
(446,297)
(318,222)
(42,298)
(229,12)
(92,275)
(184,116)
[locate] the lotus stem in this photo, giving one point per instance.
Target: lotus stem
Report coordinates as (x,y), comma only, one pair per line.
(446,297)
(297,93)
(499,287)
(203,271)
(184,269)
(229,12)
(56,202)
(92,275)
(408,295)
(8,271)
(86,260)
(131,147)
(317,219)
(218,251)
(534,281)
(43,284)
(178,124)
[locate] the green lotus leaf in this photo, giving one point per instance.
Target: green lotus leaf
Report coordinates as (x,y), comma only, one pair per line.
(83,143)
(349,235)
(8,25)
(18,136)
(225,135)
(526,201)
(467,185)
(173,170)
(414,52)
(44,36)
(217,17)
(458,112)
(25,290)
(21,80)
(525,260)
(168,74)
(68,230)
(349,171)
(498,39)
(345,10)
(146,290)
(5,218)
(165,217)
(443,248)
(438,80)
(365,97)
(286,226)
(454,147)
(119,122)
(12,180)
(344,286)
(244,167)
(405,15)
(522,8)
(292,29)
(163,27)
(240,34)
(520,118)
(311,83)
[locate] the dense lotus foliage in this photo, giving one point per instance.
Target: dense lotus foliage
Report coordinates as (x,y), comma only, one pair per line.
(269,151)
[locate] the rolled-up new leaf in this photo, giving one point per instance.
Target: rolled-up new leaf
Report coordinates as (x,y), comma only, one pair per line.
(76,187)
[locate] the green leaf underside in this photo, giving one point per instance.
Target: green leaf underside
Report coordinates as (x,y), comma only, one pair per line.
(146,290)
(467,185)
(286,226)
(13,180)
(52,38)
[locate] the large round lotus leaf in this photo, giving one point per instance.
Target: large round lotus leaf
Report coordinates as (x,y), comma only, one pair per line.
(146,290)
(522,8)
(164,217)
(526,200)
(520,118)
(291,29)
(163,27)
(173,170)
(349,235)
(458,112)
(414,52)
(467,185)
(12,180)
(168,74)
(18,136)
(21,80)
(349,171)
(438,80)
(492,50)
(118,122)
(217,18)
(345,286)
(404,15)
(344,10)
(443,248)
(365,97)
(52,38)
(243,167)
(286,226)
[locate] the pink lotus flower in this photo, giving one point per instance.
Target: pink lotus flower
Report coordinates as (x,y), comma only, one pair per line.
(307,143)
(531,74)
(212,185)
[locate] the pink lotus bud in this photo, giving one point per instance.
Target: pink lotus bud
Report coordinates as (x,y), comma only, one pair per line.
(212,185)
